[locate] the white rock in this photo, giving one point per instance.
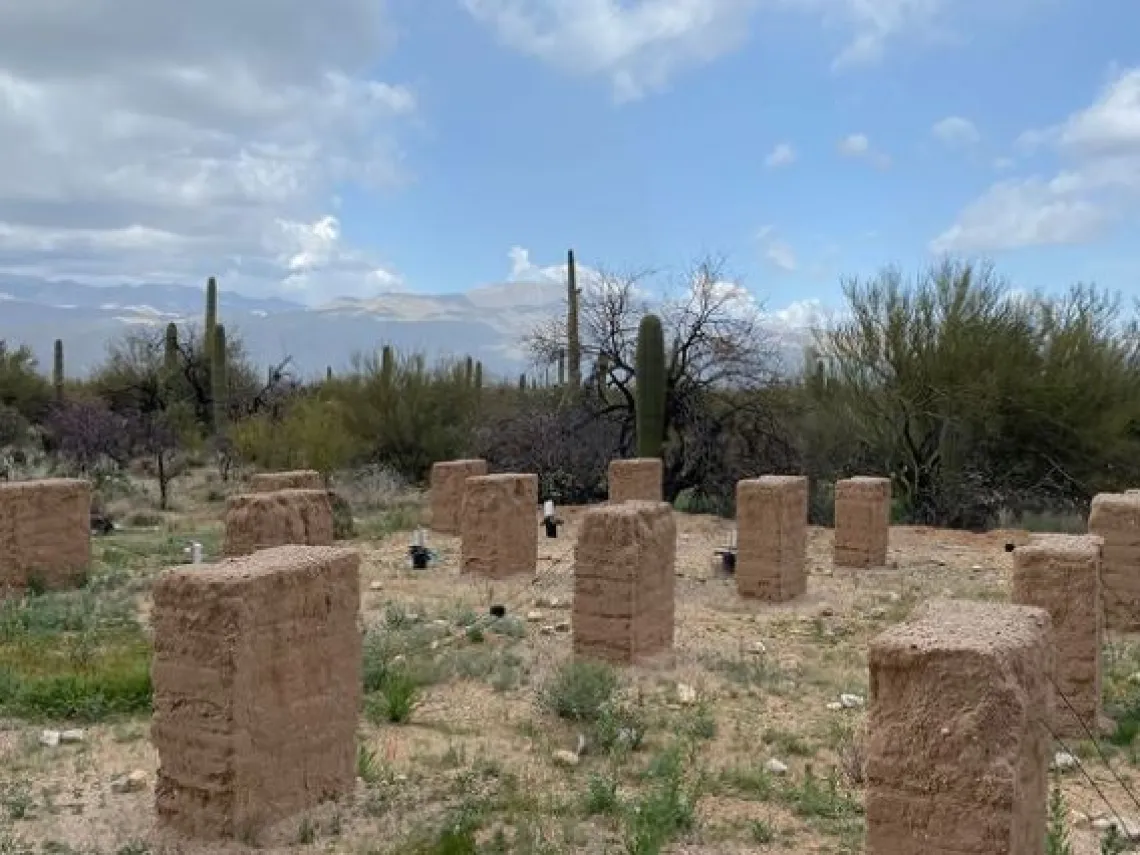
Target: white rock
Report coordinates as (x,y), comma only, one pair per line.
(1063,761)
(376,586)
(893,597)
(850,702)
(132,783)
(50,738)
(835,705)
(776,767)
(686,694)
(877,613)
(534,616)
(548,629)
(565,758)
(75,735)
(757,648)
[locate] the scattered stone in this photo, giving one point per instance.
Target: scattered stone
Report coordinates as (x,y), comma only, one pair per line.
(976,567)
(562,626)
(893,597)
(132,783)
(877,613)
(686,694)
(1063,761)
(534,616)
(376,586)
(850,702)
(548,629)
(581,744)
(565,758)
(827,611)
(835,705)
(50,738)
(757,648)
(776,767)
(549,603)
(72,736)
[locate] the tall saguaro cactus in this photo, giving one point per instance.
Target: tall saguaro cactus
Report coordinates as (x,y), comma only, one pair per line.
(650,387)
(219,379)
(573,339)
(478,375)
(211,316)
(170,350)
(57,369)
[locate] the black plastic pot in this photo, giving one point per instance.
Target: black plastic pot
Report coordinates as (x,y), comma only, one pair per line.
(551,527)
(728,561)
(420,556)
(498,611)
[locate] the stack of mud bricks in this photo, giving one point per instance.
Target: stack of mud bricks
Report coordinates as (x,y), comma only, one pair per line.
(958,739)
(1061,574)
(623,582)
(300,479)
(257,688)
(771,537)
(499,526)
(263,520)
(1115,518)
(862,522)
(45,534)
(638,479)
(448,481)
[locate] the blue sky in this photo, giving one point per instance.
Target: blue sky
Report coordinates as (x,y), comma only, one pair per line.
(516,151)
(316,150)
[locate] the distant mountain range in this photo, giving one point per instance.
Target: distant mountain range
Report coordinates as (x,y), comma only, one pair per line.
(487,322)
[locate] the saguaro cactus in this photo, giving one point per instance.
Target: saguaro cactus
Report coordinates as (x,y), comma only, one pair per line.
(170,350)
(57,369)
(469,371)
(573,340)
(478,375)
(219,379)
(211,316)
(387,366)
(650,387)
(562,367)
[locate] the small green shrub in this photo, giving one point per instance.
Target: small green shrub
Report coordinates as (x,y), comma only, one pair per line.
(580,690)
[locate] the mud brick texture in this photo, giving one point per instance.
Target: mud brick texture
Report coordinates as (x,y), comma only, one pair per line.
(623,582)
(637,479)
(958,740)
(300,479)
(45,533)
(263,520)
(862,522)
(1061,574)
(499,526)
(1115,517)
(257,688)
(448,480)
(771,537)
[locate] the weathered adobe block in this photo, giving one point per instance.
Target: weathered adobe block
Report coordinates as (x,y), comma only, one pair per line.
(771,537)
(45,533)
(263,520)
(257,688)
(1115,517)
(300,479)
(637,479)
(862,522)
(448,480)
(958,741)
(499,526)
(1061,574)
(623,582)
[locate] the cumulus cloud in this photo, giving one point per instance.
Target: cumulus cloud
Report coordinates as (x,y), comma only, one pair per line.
(1099,182)
(956,132)
(640,46)
(782,155)
(143,141)
(776,251)
(858,147)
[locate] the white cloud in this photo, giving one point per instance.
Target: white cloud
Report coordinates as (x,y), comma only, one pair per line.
(956,132)
(144,142)
(776,251)
(640,46)
(1099,147)
(858,147)
(782,155)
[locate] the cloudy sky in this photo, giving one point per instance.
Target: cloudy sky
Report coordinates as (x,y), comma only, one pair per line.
(345,147)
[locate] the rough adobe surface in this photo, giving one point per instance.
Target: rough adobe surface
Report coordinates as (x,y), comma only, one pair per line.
(637,479)
(300,479)
(499,526)
(958,748)
(45,533)
(862,522)
(1115,517)
(448,481)
(257,688)
(623,582)
(263,520)
(1061,574)
(771,537)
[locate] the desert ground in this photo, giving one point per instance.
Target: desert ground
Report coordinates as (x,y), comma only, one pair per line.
(479,734)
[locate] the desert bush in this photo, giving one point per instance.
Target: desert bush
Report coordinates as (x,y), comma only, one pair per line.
(579,690)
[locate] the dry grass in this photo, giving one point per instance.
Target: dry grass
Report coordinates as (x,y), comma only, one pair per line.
(457,739)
